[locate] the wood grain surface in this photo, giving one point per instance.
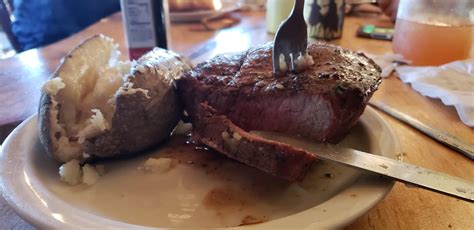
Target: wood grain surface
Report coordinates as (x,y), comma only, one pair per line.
(403,208)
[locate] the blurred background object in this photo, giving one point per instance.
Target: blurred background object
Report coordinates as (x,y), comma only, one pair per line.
(389,7)
(192,5)
(277,11)
(6,49)
(198,10)
(325,18)
(146,25)
(8,43)
(254,4)
(36,23)
(362,7)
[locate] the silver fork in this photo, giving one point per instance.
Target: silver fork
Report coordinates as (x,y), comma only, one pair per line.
(291,40)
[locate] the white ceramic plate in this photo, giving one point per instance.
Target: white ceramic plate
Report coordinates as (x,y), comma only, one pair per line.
(202,189)
(227,6)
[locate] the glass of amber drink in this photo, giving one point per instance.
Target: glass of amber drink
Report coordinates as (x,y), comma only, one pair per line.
(434,32)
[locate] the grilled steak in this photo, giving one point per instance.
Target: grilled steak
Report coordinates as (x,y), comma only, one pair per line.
(236,93)
(221,134)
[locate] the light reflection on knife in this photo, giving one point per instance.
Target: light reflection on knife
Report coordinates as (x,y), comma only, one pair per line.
(438,135)
(401,171)
(208,46)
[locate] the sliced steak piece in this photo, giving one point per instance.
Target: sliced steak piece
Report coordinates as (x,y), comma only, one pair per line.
(278,159)
(323,102)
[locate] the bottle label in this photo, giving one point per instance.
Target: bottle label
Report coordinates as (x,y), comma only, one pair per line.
(139,23)
(146,23)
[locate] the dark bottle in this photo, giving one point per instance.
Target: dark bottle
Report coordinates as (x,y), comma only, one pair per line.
(146,25)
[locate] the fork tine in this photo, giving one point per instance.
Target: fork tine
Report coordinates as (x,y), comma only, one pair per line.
(292,66)
(276,62)
(290,40)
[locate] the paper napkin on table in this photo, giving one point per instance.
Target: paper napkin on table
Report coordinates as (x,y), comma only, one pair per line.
(453,83)
(388,62)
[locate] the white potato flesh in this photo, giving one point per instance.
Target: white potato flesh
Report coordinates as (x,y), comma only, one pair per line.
(92,77)
(83,95)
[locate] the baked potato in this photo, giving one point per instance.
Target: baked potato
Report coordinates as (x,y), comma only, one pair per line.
(98,106)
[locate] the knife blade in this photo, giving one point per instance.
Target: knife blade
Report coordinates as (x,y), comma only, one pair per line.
(400,171)
(438,135)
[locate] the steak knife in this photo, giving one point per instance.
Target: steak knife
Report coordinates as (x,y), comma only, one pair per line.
(441,136)
(400,171)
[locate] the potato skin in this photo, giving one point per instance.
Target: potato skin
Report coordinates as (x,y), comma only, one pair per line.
(140,121)
(44,124)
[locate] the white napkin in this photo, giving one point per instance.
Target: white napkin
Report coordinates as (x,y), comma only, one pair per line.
(453,83)
(388,62)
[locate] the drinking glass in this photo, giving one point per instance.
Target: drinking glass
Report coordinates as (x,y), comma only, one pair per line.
(277,12)
(434,32)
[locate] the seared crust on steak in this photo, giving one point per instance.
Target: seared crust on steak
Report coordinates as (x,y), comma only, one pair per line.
(323,102)
(278,159)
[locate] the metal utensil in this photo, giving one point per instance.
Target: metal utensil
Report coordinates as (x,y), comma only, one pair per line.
(408,173)
(404,172)
(438,135)
(358,2)
(291,40)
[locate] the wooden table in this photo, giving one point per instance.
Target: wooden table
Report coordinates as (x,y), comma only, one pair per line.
(403,208)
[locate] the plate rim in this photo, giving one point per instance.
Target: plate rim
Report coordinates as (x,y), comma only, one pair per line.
(37,221)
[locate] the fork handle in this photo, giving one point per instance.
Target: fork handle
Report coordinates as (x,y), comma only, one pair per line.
(298,8)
